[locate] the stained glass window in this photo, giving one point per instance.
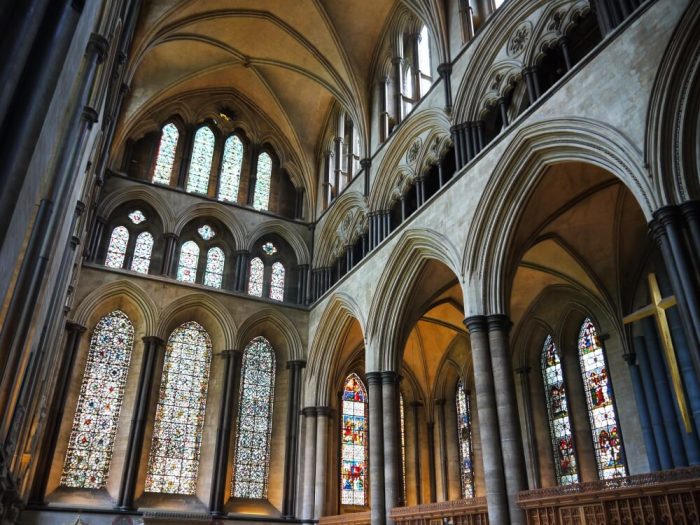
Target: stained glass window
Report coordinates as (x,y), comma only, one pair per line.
(464,435)
(202,156)
(277,282)
(137,216)
(261,198)
(353,470)
(142,253)
(231,169)
(214,272)
(166,154)
(187,267)
(402,427)
(101,393)
(173,463)
(601,404)
(255,280)
(269,248)
(116,251)
(206,232)
(252,454)
(558,411)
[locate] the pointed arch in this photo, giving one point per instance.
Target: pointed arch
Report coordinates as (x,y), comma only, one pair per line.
(301,250)
(216,211)
(276,328)
(152,197)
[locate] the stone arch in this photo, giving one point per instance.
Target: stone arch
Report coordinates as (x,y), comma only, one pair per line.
(206,209)
(533,149)
(414,248)
(341,309)
(142,193)
(282,331)
(673,122)
(346,220)
(115,292)
(204,309)
(301,250)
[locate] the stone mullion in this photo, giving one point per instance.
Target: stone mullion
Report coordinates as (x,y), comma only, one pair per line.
(442,435)
(525,393)
(291,457)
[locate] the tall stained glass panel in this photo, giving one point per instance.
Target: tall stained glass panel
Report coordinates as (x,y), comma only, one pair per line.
(142,253)
(464,435)
(277,282)
(252,454)
(601,404)
(200,164)
(558,414)
(353,454)
(255,279)
(261,198)
(214,272)
(231,169)
(187,266)
(101,394)
(116,251)
(166,154)
(173,463)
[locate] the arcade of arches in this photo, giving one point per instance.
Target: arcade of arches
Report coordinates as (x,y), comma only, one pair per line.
(350,262)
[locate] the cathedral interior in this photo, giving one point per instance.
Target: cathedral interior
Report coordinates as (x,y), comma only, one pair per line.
(388,262)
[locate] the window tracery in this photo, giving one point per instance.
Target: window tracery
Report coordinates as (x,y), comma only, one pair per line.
(137,217)
(116,251)
(200,164)
(353,471)
(231,165)
(464,434)
(166,154)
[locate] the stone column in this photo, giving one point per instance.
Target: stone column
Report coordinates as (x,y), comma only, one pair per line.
(507,408)
(454,131)
(415,406)
(365,165)
(445,72)
(54,417)
(494,477)
(430,429)
(442,433)
(323,415)
(524,374)
(308,501)
(642,408)
(397,63)
(392,441)
(691,213)
(376,448)
(95,237)
(169,255)
(291,454)
(223,435)
(242,257)
(151,357)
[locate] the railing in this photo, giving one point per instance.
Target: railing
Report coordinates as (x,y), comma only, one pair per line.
(458,512)
(354,518)
(668,497)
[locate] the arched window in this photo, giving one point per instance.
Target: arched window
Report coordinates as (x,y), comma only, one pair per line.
(187,266)
(402,428)
(202,156)
(231,169)
(173,463)
(116,251)
(142,253)
(353,454)
(101,394)
(214,272)
(464,434)
(607,441)
(558,411)
(261,198)
(166,154)
(255,279)
(277,282)
(252,454)
(424,60)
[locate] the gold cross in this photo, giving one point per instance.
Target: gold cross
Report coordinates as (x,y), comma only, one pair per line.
(657,309)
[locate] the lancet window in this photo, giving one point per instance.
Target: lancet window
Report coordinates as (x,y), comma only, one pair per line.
(142,253)
(277,282)
(231,165)
(353,468)
(200,163)
(116,251)
(263,178)
(214,272)
(166,154)
(187,266)
(464,435)
(255,279)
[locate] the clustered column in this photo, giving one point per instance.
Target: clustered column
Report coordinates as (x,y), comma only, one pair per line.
(376,448)
(392,448)
(292,439)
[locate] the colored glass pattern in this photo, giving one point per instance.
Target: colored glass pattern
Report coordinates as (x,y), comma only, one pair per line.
(252,455)
(137,216)
(601,404)
(200,164)
(277,282)
(116,251)
(142,253)
(101,394)
(261,198)
(255,279)
(269,249)
(464,435)
(353,470)
(187,266)
(173,463)
(206,232)
(558,411)
(214,272)
(166,154)
(231,169)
